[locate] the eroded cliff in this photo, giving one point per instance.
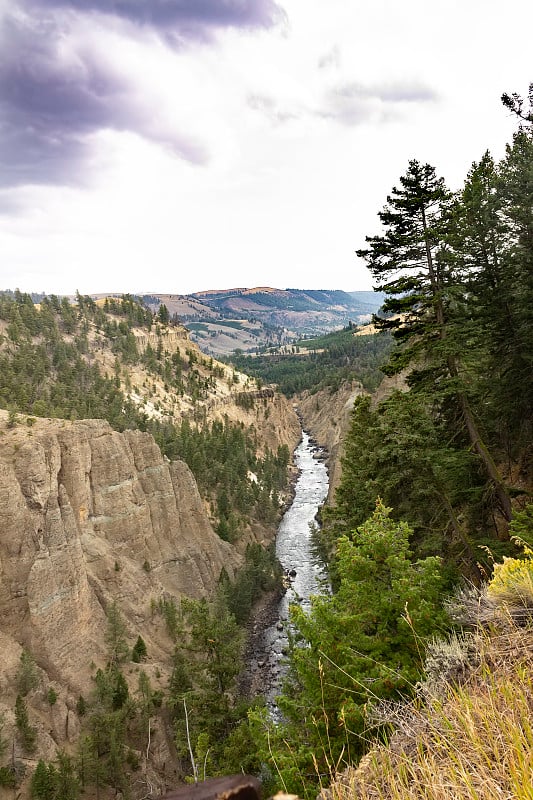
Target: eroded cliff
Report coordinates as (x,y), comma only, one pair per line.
(326,415)
(88,517)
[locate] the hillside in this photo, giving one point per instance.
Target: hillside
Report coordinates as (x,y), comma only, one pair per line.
(321,362)
(250,319)
(115,553)
(91,519)
(113,359)
(468,735)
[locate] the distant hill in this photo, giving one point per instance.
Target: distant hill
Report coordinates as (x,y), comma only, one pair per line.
(250,319)
(326,361)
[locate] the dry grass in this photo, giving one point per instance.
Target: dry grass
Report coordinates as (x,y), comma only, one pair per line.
(472,741)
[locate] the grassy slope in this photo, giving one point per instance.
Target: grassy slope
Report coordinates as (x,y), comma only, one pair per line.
(472,740)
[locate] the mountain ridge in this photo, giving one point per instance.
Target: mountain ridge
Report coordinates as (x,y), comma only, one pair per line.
(250,319)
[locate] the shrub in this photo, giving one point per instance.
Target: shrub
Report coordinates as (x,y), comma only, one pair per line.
(51,696)
(512,582)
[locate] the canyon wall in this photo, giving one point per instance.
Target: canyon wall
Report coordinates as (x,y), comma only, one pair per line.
(327,416)
(89,517)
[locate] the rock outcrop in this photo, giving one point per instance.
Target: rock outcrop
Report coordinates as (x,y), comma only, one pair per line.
(168,338)
(326,416)
(89,516)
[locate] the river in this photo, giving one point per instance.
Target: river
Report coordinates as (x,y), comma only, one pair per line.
(295,551)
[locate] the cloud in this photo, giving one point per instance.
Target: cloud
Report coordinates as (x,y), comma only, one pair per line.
(352,103)
(331,59)
(58,89)
(271,108)
(187,17)
(54,95)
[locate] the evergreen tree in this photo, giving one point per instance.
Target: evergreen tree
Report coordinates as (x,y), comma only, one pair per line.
(515,189)
(115,635)
(68,787)
(207,682)
(26,674)
(397,452)
(496,318)
(515,103)
(412,265)
(163,314)
(361,645)
(139,651)
(42,783)
(27,733)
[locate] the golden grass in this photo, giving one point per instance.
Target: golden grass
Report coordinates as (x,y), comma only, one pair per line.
(474,742)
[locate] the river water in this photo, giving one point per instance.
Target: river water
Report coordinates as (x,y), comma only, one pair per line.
(295,551)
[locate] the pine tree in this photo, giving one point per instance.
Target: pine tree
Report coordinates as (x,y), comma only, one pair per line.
(361,645)
(139,651)
(398,452)
(42,784)
(67,782)
(515,189)
(115,635)
(496,320)
(27,674)
(412,264)
(27,733)
(515,103)
(163,314)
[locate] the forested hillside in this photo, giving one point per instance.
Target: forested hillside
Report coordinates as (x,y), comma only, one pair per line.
(123,593)
(435,479)
(118,361)
(318,362)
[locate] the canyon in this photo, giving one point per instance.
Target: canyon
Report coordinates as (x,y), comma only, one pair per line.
(90,517)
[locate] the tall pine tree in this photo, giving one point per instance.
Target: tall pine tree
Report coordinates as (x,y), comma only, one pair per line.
(412,265)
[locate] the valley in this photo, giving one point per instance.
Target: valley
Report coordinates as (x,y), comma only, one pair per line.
(143,479)
(254,319)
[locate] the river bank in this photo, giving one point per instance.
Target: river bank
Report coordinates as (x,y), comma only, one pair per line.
(267,639)
(264,614)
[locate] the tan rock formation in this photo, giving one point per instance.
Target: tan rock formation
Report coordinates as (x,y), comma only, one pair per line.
(169,338)
(272,416)
(89,516)
(326,416)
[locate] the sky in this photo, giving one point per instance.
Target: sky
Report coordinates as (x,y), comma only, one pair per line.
(182,145)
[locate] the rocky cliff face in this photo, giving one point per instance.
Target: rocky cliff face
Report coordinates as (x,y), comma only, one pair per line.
(271,415)
(327,417)
(89,516)
(168,338)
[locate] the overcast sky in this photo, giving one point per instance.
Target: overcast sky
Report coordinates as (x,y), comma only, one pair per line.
(183,145)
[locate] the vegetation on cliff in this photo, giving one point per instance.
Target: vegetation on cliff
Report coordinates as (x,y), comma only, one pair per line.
(108,360)
(83,360)
(451,456)
(468,733)
(319,362)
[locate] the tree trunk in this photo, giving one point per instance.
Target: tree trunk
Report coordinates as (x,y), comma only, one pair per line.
(461,535)
(504,501)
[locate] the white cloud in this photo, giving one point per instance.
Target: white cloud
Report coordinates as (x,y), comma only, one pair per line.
(258,156)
